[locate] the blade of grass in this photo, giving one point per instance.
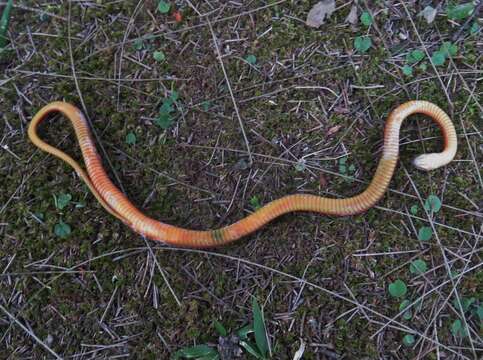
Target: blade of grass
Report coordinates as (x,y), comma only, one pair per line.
(195,352)
(4,24)
(251,349)
(259,328)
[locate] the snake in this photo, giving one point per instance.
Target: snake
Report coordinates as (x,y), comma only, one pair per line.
(118,205)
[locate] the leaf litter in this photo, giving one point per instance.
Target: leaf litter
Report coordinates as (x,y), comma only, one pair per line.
(319,12)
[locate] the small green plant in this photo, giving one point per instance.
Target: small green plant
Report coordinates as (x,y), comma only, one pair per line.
(418,267)
(342,165)
(366,18)
(62,230)
(438,58)
(432,204)
(414,56)
(220,329)
(346,169)
(130,138)
(407,315)
(163,7)
(414,209)
(460,11)
(138,44)
(206,105)
(407,70)
(465,304)
(201,352)
(251,59)
(256,330)
(343,168)
(144,43)
(408,340)
(425,233)
(159,56)
(475,28)
(362,43)
(62,200)
(44,15)
(165,117)
(259,329)
(397,289)
(458,329)
(447,49)
(255,202)
(479,312)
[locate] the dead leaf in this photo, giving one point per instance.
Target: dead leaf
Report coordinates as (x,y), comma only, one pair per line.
(322,181)
(333,130)
(341,110)
(228,347)
(300,352)
(323,9)
(352,17)
(429,14)
(241,165)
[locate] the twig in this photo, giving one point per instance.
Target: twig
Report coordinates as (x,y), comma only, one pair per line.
(162,272)
(30,332)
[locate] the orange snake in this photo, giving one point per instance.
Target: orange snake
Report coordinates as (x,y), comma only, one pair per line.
(116,203)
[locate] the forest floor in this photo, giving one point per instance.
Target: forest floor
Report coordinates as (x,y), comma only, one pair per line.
(263,106)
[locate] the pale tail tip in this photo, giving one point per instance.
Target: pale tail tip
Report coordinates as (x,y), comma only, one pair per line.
(427,162)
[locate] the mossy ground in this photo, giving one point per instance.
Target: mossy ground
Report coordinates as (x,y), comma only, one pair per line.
(99,292)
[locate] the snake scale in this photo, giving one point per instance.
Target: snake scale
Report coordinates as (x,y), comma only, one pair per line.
(117,204)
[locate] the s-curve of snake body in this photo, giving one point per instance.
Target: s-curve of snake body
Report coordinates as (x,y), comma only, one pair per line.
(117,204)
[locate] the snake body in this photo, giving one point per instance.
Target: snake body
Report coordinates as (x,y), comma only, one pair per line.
(116,203)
